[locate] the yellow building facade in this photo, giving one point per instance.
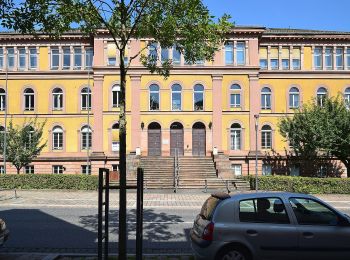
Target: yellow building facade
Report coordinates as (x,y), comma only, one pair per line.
(205,109)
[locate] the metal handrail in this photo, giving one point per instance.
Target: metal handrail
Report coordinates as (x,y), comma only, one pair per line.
(176,170)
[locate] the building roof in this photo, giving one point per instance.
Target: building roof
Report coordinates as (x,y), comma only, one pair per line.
(290,31)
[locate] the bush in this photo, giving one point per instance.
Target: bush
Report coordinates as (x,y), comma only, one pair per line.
(48,181)
(302,184)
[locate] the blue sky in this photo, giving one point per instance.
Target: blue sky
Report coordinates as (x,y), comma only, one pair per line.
(300,14)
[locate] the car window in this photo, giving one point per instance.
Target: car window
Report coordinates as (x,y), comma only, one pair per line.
(208,207)
(263,210)
(311,212)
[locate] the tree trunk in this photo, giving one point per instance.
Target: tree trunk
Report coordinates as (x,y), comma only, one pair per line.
(347,165)
(122,162)
(18,169)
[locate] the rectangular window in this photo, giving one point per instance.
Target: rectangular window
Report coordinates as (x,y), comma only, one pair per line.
(176,56)
(263,57)
(10,58)
(348,57)
(115,167)
(329,58)
(66,58)
(235,100)
(285,58)
(86,140)
(237,169)
(235,139)
(29,169)
(164,56)
(57,169)
(339,59)
(112,61)
(296,58)
(240,53)
(89,53)
(229,53)
(115,146)
(263,210)
(153,52)
(266,169)
(86,169)
(1,58)
(33,58)
(57,141)
(77,58)
(55,58)
(2,169)
(318,58)
(274,58)
(22,59)
(294,170)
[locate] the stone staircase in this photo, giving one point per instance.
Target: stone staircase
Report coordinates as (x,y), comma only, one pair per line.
(158,172)
(200,173)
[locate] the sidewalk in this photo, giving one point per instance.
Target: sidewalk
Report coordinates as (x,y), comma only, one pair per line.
(152,199)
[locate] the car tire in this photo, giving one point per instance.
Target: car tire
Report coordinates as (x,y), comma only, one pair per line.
(234,253)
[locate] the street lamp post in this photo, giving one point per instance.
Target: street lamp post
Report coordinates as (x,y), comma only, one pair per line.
(256,151)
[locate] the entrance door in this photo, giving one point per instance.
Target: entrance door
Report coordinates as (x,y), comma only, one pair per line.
(198,139)
(154,140)
(176,139)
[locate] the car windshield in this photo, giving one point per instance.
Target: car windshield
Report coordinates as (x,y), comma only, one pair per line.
(208,207)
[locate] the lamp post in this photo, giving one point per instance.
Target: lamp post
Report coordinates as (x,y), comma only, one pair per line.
(256,151)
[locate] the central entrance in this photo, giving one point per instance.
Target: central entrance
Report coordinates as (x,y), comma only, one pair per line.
(176,138)
(198,139)
(154,139)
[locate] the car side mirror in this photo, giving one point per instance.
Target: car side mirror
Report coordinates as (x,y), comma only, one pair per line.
(343,221)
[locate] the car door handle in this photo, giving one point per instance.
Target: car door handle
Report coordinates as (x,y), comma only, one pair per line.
(308,234)
(252,232)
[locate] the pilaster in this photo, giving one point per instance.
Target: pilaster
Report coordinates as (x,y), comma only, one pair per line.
(217,111)
(97,109)
(135,112)
(254,96)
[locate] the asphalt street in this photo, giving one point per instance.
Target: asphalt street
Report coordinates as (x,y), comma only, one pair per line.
(57,222)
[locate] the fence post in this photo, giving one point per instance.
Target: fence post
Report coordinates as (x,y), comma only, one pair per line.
(139,214)
(106,204)
(100,196)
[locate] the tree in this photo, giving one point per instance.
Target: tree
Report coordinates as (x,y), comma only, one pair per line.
(185,24)
(23,143)
(320,131)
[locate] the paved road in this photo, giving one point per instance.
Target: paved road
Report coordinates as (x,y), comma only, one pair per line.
(67,222)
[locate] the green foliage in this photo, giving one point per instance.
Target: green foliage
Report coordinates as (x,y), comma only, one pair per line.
(316,130)
(23,143)
(48,181)
(302,184)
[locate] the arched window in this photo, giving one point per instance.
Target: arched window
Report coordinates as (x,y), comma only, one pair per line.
(86,98)
(266,137)
(29,99)
(57,99)
(176,97)
(116,96)
(86,137)
(154,97)
(321,96)
(266,98)
(57,138)
(294,98)
(235,95)
(236,135)
(2,99)
(115,137)
(347,97)
(198,97)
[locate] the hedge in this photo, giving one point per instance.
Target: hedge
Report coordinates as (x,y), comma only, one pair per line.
(48,181)
(302,184)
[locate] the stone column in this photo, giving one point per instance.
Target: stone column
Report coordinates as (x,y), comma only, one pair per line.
(217,111)
(97,110)
(135,112)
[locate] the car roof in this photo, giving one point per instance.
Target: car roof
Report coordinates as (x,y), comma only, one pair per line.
(262,194)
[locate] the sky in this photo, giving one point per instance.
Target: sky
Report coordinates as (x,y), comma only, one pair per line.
(297,14)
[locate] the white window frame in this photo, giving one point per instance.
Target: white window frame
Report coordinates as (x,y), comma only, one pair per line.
(266,137)
(55,57)
(2,99)
(236,137)
(57,169)
(293,93)
(115,146)
(86,169)
(339,54)
(85,97)
(89,55)
(116,91)
(198,92)
(229,50)
(328,58)
(177,61)
(66,52)
(176,92)
(57,138)
(22,56)
(321,95)
(11,57)
(266,170)
(86,138)
(237,169)
(240,48)
(150,94)
(266,98)
(29,169)
(78,55)
(318,57)
(347,97)
(57,97)
(30,106)
(1,58)
(33,54)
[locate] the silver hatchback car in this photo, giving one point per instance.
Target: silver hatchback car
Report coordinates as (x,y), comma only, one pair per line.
(270,225)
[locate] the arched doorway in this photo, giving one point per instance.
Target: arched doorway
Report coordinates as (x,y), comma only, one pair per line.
(176,138)
(198,139)
(154,139)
